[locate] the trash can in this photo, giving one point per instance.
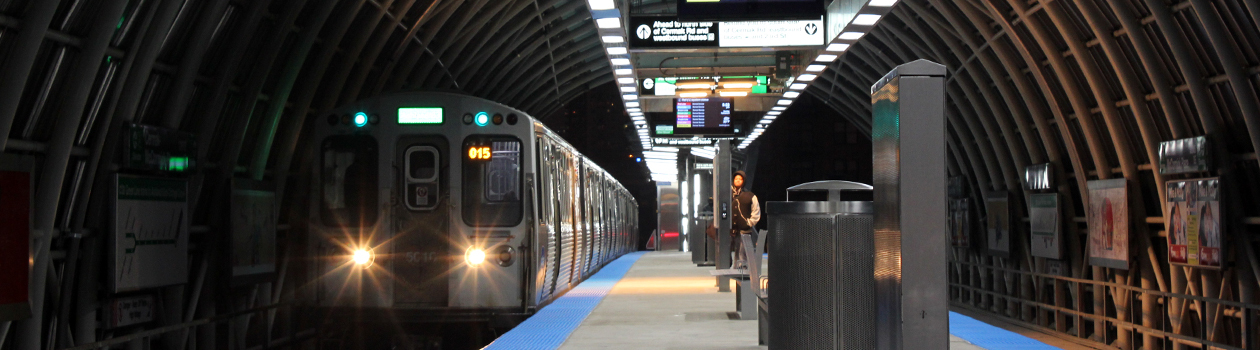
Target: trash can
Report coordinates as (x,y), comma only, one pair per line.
(703,249)
(821,265)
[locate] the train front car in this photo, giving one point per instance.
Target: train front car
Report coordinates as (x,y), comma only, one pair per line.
(426,208)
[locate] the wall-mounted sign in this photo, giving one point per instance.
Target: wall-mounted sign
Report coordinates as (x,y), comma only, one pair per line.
(150,239)
(999,224)
(1043,217)
(1039,177)
(253,241)
(960,222)
(129,311)
(15,237)
(151,148)
(704,166)
(1108,221)
(1184,155)
(1193,218)
(656,32)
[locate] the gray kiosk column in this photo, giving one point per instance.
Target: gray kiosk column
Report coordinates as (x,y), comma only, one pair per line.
(908,135)
(722,209)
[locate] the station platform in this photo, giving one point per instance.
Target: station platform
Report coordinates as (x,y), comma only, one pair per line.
(660,300)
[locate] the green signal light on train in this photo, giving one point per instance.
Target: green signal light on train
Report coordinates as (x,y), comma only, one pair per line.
(360,119)
(482,118)
(177,164)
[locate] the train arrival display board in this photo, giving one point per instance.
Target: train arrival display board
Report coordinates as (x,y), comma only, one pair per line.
(253,231)
(703,116)
(15,237)
(1193,218)
(1108,218)
(150,238)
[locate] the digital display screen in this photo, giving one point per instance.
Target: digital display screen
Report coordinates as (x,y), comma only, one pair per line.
(479,153)
(420,115)
(652,32)
(700,116)
(664,129)
(668,86)
(750,9)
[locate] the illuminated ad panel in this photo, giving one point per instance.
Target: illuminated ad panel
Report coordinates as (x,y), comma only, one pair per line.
(657,32)
(667,86)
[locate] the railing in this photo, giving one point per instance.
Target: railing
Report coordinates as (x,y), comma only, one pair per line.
(293,336)
(1079,293)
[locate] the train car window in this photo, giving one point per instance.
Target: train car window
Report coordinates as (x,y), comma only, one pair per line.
(349,174)
(492,181)
(422,164)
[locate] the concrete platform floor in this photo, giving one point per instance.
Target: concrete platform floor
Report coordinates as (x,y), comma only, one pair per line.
(666,302)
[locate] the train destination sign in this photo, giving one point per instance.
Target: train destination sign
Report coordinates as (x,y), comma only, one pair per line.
(651,32)
(479,153)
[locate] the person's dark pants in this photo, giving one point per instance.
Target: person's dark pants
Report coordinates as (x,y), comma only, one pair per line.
(741,257)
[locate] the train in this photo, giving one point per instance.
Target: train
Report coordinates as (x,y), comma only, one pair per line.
(442,205)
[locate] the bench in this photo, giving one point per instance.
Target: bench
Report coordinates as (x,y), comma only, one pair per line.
(752,285)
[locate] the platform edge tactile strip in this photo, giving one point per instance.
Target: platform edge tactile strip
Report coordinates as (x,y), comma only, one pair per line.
(990,337)
(552,325)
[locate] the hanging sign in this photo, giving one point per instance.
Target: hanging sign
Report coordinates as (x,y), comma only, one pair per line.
(1184,155)
(1038,177)
(656,32)
(1108,219)
(1043,217)
(150,238)
(1193,218)
(15,237)
(999,224)
(960,222)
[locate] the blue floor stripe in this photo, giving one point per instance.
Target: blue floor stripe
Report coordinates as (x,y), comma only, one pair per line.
(552,325)
(990,337)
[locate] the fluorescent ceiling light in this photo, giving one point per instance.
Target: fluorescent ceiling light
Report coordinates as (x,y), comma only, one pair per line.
(666,149)
(798,86)
(602,4)
(632,104)
(692,94)
(826,58)
(791,94)
(633,110)
(865,19)
(815,68)
(613,39)
(806,77)
(738,83)
(630,97)
(636,114)
(770,117)
(882,3)
(773,113)
(621,61)
(617,50)
(784,102)
(733,92)
(766,121)
(623,71)
(850,35)
(694,84)
(606,23)
(837,47)
(628,89)
(640,122)
(637,117)
(779,108)
(626,80)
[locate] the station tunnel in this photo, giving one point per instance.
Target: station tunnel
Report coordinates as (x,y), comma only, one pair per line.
(438,174)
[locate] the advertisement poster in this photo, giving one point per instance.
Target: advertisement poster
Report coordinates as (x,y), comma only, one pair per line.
(999,225)
(254,215)
(1043,217)
(150,238)
(15,239)
(1193,219)
(1108,219)
(960,222)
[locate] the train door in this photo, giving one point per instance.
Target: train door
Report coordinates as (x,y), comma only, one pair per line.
(422,221)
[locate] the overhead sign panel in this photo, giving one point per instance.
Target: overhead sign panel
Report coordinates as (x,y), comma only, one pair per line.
(750,9)
(656,32)
(150,240)
(15,235)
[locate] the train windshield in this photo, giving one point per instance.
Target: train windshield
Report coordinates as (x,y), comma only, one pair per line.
(492,181)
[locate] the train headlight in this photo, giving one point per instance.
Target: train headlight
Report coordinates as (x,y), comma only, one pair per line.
(363,258)
(475,256)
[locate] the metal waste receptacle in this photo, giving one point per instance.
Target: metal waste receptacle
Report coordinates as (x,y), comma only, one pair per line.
(821,266)
(703,248)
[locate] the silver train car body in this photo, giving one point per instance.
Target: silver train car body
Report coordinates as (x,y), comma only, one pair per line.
(417,207)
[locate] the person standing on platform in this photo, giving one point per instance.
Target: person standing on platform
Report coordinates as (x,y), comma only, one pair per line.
(747,214)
